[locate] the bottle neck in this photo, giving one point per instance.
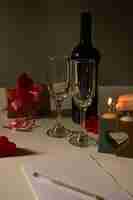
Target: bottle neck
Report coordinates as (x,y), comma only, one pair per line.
(85,28)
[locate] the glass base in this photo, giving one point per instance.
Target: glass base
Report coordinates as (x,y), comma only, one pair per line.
(80,139)
(58,131)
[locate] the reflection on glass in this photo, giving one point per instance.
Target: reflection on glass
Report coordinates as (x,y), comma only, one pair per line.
(59,85)
(83,92)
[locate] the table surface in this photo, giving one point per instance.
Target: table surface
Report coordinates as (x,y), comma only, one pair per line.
(13,184)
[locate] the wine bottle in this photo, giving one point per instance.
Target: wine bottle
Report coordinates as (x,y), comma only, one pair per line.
(85,51)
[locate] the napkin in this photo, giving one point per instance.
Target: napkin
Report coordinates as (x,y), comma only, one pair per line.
(78,172)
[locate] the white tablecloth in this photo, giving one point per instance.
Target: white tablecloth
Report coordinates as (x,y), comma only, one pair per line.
(13,184)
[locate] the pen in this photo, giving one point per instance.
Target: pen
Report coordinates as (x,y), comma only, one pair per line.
(65,185)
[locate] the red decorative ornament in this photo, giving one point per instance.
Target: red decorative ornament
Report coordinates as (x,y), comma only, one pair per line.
(24,98)
(28,99)
(24,81)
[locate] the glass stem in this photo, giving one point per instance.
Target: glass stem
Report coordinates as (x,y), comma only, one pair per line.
(59,111)
(83,118)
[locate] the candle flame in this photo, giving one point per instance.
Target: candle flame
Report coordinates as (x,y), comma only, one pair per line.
(110,100)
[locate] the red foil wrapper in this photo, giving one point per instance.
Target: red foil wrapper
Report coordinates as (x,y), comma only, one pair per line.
(28,98)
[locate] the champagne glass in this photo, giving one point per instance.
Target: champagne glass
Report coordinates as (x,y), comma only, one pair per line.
(58,85)
(83,92)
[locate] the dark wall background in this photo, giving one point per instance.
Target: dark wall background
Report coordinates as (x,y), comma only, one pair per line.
(32,30)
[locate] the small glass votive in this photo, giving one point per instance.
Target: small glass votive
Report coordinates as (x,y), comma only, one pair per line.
(126,125)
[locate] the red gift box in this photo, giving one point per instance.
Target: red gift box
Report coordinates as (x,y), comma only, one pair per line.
(28,98)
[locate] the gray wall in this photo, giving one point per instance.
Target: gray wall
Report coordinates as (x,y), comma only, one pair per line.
(32,30)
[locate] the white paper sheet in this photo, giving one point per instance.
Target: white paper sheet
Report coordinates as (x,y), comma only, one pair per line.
(80,172)
(119,196)
(119,167)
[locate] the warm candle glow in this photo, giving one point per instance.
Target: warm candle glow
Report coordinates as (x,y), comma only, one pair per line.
(110,114)
(110,100)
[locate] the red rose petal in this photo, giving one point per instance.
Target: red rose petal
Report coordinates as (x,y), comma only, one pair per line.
(4,151)
(3,139)
(11,145)
(6,147)
(11,148)
(3,146)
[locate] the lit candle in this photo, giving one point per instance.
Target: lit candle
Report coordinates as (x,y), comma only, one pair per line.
(109,120)
(110,114)
(108,124)
(110,101)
